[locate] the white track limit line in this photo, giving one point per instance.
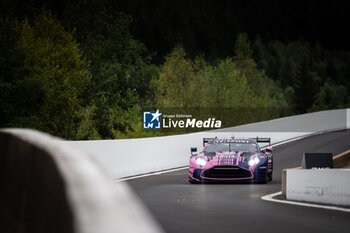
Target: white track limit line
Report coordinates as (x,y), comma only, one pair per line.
(152,173)
(270,197)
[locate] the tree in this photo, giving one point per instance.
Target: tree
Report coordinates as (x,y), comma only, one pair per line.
(177,81)
(119,66)
(331,97)
(242,47)
(43,86)
(257,79)
(304,91)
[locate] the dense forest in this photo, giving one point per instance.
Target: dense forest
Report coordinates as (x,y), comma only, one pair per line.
(86,69)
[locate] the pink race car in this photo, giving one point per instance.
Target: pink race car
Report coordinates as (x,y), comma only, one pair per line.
(231,159)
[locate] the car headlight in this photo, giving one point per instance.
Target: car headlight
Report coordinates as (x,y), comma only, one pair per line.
(254,161)
(201,161)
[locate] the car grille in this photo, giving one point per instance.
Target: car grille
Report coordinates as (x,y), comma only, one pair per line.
(228,172)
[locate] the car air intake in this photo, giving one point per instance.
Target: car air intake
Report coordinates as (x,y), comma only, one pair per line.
(227,172)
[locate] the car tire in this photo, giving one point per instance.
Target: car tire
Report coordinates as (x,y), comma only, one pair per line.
(265,180)
(269,177)
(193,181)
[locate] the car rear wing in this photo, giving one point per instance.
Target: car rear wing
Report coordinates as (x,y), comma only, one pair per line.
(263,140)
(257,139)
(206,140)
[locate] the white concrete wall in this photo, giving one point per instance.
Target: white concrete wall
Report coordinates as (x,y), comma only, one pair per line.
(328,186)
(128,157)
(122,158)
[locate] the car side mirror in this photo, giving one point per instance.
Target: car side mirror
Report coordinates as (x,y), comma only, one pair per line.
(269,148)
(193,149)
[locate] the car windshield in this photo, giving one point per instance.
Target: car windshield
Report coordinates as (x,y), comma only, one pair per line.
(216,147)
(219,147)
(249,147)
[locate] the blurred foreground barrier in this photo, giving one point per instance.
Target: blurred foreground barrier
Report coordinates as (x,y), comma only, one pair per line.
(50,187)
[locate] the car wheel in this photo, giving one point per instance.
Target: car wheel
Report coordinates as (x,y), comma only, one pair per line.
(193,181)
(270,177)
(265,180)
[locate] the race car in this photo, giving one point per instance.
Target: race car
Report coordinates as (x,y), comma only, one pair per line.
(232,159)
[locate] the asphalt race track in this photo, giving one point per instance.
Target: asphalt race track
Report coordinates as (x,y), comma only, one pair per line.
(182,207)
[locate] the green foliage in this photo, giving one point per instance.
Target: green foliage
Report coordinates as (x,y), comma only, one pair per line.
(264,87)
(242,47)
(233,86)
(225,86)
(331,97)
(115,59)
(49,75)
(304,72)
(176,83)
(121,74)
(233,82)
(89,78)
(42,88)
(86,130)
(304,90)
